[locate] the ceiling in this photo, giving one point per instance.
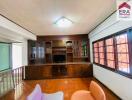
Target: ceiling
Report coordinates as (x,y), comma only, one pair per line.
(39,16)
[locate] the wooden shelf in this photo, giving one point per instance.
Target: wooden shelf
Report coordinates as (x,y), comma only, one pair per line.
(59,49)
(69,52)
(81,57)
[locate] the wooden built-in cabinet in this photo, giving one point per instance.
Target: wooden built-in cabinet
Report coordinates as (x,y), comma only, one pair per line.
(73,48)
(58,57)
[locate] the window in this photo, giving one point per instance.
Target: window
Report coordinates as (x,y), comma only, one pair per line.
(4,56)
(96,53)
(114,52)
(101,52)
(122,53)
(110,53)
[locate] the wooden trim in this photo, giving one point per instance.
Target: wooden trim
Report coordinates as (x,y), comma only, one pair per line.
(105,56)
(93,52)
(115,52)
(62,37)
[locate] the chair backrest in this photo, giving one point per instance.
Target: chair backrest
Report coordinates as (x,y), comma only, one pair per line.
(97,91)
(36,93)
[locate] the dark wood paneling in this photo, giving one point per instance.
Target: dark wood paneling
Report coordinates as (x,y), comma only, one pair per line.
(58,71)
(63,37)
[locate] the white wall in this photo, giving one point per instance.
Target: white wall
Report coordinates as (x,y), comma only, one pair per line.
(24,53)
(19,54)
(120,85)
(16,55)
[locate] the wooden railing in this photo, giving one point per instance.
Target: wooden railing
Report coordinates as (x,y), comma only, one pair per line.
(9,79)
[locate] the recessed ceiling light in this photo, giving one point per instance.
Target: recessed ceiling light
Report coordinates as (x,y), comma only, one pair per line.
(63,22)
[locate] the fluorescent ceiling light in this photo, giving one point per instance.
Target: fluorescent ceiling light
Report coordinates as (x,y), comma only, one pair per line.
(63,22)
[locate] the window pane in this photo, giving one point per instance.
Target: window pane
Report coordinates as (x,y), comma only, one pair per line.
(101,43)
(101,52)
(102,61)
(111,63)
(110,53)
(101,49)
(96,52)
(121,38)
(123,58)
(110,56)
(101,55)
(95,49)
(122,48)
(122,53)
(96,60)
(96,55)
(109,49)
(95,44)
(4,56)
(124,67)
(109,41)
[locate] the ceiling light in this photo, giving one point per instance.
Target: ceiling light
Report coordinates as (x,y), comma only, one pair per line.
(63,22)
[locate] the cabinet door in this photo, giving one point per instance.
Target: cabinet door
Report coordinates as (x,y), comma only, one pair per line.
(36,52)
(32,52)
(80,48)
(86,70)
(46,71)
(74,70)
(75,48)
(40,52)
(33,72)
(70,70)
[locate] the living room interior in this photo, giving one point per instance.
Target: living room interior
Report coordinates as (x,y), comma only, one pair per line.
(65,50)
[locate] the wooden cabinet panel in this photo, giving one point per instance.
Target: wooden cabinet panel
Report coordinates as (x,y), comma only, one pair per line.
(70,70)
(58,71)
(33,72)
(58,43)
(47,71)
